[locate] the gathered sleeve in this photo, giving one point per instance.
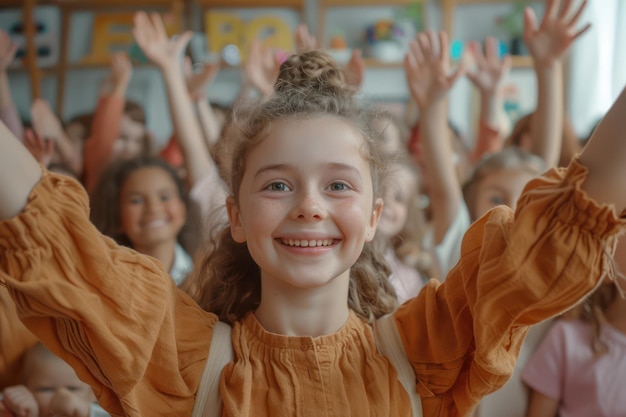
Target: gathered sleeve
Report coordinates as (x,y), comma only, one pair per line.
(15,340)
(462,337)
(114,315)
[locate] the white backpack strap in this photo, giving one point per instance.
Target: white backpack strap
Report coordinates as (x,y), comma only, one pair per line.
(208,402)
(390,344)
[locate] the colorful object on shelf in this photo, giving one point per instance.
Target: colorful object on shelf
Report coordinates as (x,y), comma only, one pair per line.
(387,51)
(413,13)
(456,50)
(224,29)
(338,48)
(337,41)
(113,32)
(384,30)
(388,40)
(513,24)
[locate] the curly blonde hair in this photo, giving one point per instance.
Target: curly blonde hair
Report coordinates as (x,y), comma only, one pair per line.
(226,280)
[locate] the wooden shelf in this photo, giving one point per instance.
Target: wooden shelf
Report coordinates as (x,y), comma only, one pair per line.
(293,4)
(325,5)
(100,4)
(375,63)
(521,61)
(449,6)
(461,2)
(367,3)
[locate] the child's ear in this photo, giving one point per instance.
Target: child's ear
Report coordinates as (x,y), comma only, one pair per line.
(371,226)
(236,228)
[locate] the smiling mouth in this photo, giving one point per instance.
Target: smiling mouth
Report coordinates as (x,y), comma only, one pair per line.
(154,224)
(307,243)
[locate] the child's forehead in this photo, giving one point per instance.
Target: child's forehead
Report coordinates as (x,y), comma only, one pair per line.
(307,142)
(324,131)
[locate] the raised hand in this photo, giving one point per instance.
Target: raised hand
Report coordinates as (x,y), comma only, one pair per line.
(304,40)
(261,68)
(428,71)
(41,148)
(7,50)
(153,40)
(490,71)
(197,81)
(121,68)
(20,401)
(556,32)
(355,70)
(45,122)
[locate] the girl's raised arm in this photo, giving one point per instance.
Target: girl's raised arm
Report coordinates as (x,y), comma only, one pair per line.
(197,82)
(488,78)
(605,158)
(429,77)
(166,54)
(8,112)
(19,173)
(548,44)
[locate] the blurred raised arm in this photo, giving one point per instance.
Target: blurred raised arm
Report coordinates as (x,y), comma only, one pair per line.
(8,111)
(430,78)
(548,44)
(19,173)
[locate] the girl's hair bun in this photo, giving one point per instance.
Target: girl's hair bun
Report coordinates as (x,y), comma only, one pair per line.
(312,71)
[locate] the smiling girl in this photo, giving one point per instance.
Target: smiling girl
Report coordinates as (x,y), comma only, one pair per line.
(295,273)
(142,203)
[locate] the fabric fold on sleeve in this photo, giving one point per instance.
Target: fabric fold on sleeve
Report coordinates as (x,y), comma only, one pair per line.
(516,269)
(114,315)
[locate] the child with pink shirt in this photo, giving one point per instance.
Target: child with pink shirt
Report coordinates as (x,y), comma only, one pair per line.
(579,369)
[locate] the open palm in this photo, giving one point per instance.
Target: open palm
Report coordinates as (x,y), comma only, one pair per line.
(150,35)
(490,71)
(427,67)
(556,32)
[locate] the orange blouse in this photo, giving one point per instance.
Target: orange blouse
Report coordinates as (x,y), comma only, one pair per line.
(119,320)
(15,340)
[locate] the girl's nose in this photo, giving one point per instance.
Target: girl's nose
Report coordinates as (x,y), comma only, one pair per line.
(309,206)
(153,205)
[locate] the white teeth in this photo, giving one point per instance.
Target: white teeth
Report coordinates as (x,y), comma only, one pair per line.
(307,243)
(155,223)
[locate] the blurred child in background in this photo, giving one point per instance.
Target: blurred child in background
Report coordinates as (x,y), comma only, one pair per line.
(579,369)
(50,388)
(142,203)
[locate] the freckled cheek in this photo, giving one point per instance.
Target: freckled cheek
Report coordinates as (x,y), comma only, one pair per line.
(353,215)
(264,215)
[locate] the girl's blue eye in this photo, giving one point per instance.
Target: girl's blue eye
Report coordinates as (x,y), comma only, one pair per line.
(278,186)
(166,197)
(338,186)
(136,200)
(496,201)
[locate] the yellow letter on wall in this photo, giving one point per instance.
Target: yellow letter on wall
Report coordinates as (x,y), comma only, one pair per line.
(223,29)
(227,28)
(113,32)
(273,31)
